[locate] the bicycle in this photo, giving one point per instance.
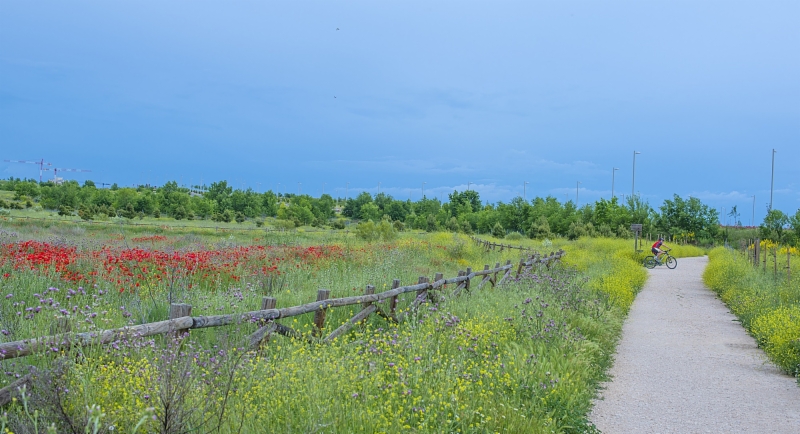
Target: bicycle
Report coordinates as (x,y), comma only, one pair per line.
(666,259)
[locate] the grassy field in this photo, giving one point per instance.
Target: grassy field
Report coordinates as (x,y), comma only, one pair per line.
(525,357)
(767,305)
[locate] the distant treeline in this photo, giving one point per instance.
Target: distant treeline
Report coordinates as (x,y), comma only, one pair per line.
(687,219)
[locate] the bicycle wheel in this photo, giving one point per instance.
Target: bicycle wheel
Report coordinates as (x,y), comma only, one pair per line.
(650,262)
(671,262)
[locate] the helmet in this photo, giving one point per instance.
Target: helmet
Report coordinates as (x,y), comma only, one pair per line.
(660,239)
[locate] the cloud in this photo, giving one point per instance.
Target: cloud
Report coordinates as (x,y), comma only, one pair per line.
(720,196)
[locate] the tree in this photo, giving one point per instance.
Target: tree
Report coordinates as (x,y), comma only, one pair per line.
(794,224)
(220,193)
(679,216)
(352,207)
(370,211)
(774,226)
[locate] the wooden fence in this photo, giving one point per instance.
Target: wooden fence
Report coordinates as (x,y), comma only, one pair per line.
(180,320)
(489,245)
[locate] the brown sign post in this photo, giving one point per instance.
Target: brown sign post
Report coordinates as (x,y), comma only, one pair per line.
(637,232)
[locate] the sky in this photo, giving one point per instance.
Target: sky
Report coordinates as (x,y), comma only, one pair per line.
(508,98)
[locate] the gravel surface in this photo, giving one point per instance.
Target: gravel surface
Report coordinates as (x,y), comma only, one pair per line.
(685,365)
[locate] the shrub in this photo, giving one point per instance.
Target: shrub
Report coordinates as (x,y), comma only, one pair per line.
(338,224)
(452,225)
(514,236)
(179,213)
(369,231)
(64,211)
(283,225)
(431,225)
(498,231)
(398,226)
(228,216)
(540,229)
(576,230)
(239,217)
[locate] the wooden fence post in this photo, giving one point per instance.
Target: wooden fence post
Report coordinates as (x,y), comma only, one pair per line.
(393,300)
(788,264)
(519,267)
(268,303)
(467,282)
(369,290)
(756,252)
(319,315)
(179,310)
(422,292)
(496,266)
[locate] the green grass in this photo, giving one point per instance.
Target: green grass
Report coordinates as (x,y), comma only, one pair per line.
(527,357)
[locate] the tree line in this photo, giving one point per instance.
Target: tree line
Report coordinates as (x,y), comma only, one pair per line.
(540,217)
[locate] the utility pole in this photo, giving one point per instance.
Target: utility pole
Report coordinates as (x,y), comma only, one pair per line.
(633,182)
(468,183)
(524,191)
(772,182)
(613,172)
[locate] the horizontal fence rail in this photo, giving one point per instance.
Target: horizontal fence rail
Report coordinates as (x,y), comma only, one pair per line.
(181,320)
(489,245)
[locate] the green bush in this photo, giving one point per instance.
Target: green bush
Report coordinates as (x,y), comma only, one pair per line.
(498,231)
(514,236)
(284,225)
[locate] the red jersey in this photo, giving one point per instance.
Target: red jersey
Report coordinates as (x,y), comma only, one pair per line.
(658,244)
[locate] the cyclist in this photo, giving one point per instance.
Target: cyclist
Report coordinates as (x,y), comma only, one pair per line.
(657,249)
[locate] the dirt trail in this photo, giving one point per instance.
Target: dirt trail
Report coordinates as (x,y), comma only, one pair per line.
(685,365)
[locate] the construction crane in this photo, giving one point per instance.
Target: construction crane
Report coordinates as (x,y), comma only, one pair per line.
(56,170)
(41,163)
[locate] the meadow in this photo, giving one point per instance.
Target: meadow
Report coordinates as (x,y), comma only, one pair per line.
(766,303)
(526,356)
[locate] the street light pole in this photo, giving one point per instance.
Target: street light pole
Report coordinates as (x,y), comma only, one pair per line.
(468,183)
(633,182)
(524,191)
(613,172)
(577,188)
(772,182)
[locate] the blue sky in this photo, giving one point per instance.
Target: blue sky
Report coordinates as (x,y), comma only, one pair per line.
(447,93)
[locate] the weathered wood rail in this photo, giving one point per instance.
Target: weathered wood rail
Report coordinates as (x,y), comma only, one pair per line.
(181,322)
(489,245)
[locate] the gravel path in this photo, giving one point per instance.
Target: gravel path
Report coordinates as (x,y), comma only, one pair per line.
(684,365)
